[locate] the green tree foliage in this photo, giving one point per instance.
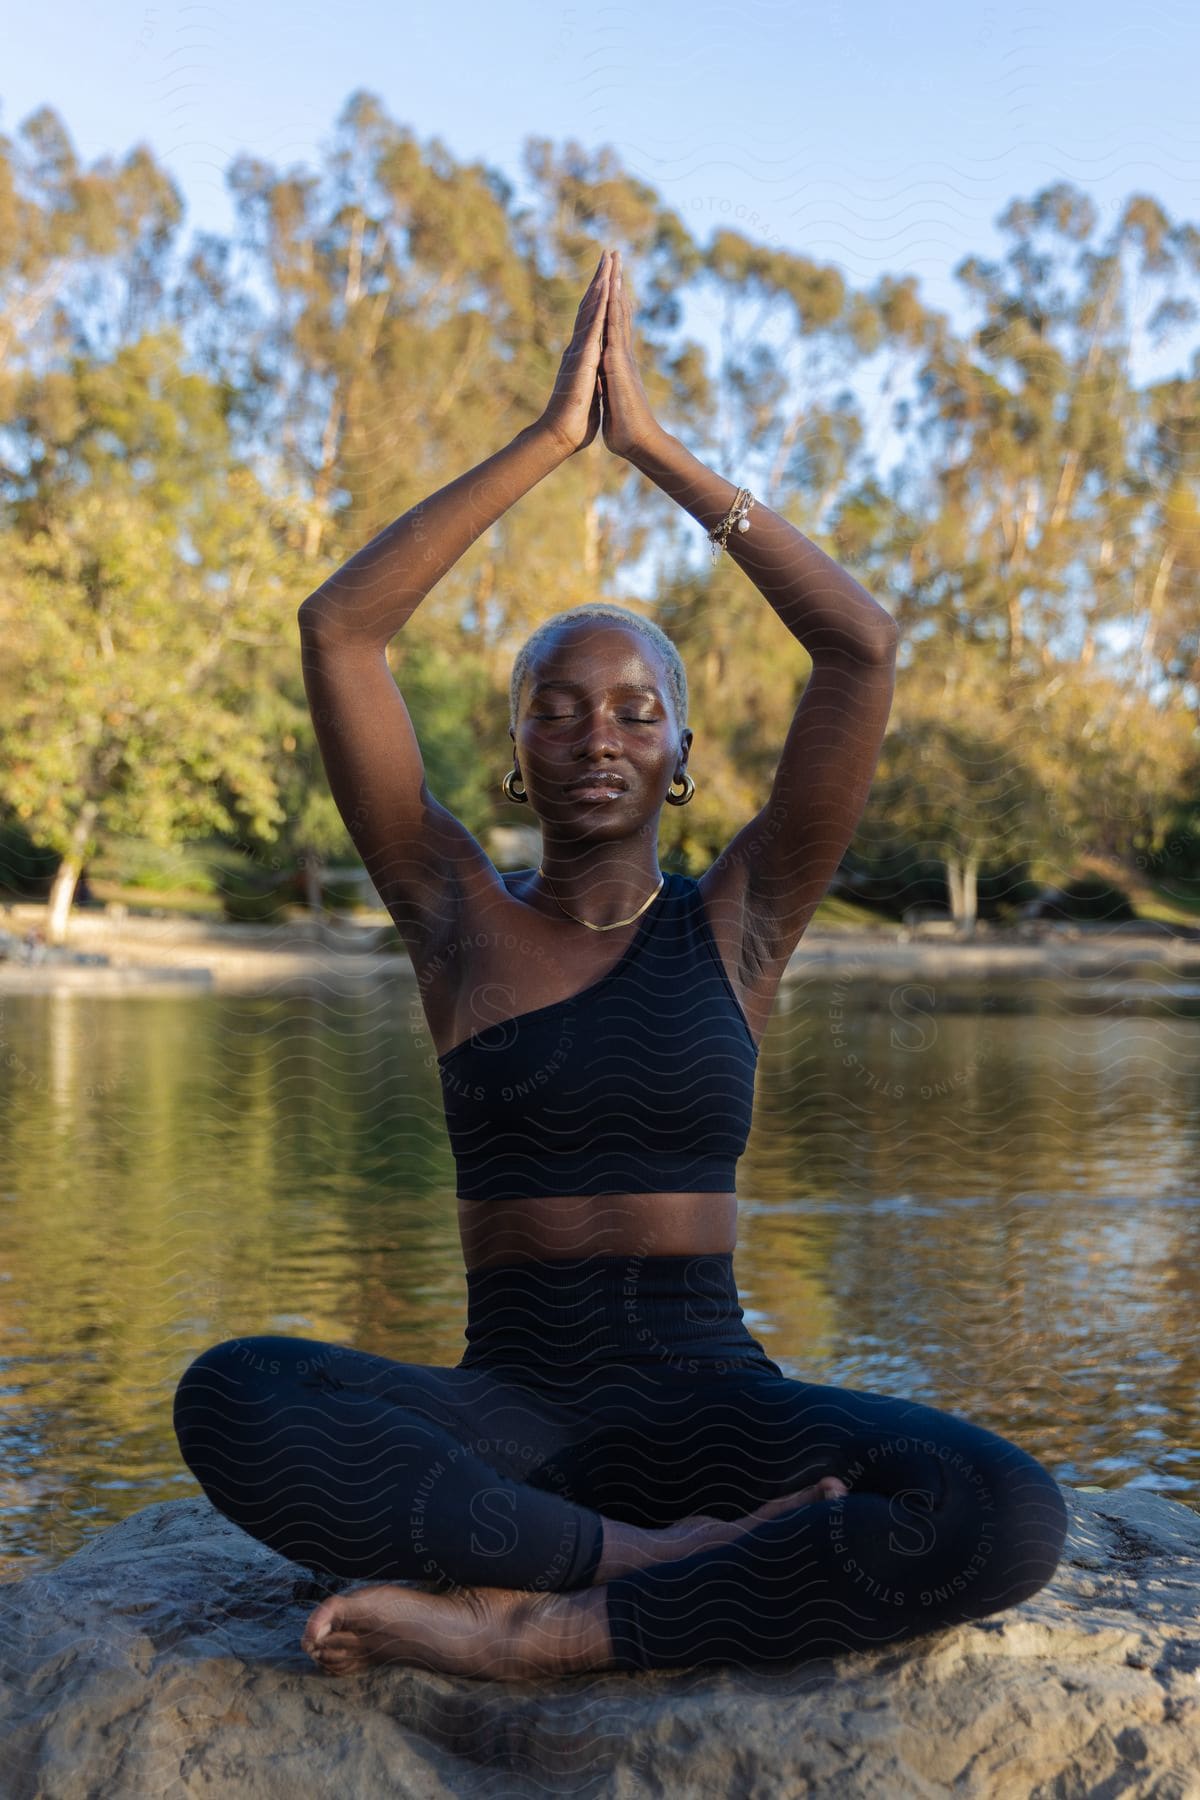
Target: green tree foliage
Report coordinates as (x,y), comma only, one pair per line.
(193,436)
(954,781)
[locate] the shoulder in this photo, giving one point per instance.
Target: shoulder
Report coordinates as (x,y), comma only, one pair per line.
(721,888)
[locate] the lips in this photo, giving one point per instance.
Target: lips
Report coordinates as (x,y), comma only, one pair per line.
(614,783)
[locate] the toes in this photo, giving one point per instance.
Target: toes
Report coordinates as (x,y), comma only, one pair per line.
(321,1622)
(341,1612)
(338,1653)
(344,1664)
(830,1487)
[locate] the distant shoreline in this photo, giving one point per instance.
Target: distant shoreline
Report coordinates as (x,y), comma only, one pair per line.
(140,954)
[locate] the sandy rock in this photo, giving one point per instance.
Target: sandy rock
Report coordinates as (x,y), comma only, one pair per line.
(163,1660)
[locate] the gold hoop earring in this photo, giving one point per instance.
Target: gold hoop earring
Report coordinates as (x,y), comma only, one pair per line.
(521,799)
(689,788)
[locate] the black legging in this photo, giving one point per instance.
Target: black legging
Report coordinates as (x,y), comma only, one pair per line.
(629,1387)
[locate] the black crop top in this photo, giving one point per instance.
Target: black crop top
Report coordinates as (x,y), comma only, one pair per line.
(641,1083)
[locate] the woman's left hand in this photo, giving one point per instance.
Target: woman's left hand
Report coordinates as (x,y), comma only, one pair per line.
(629,425)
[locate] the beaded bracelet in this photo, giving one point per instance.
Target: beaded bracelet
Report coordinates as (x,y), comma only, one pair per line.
(738,515)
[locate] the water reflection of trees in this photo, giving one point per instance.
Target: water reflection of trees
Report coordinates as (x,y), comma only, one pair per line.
(1023,1252)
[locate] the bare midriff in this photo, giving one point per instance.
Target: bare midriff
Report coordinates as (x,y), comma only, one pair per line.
(555,1230)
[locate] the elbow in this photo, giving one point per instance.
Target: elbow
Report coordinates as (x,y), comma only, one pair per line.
(887,641)
(875,647)
(321,632)
(312,617)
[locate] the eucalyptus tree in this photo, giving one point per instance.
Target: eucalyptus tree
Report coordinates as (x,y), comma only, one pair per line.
(1035,428)
(143,556)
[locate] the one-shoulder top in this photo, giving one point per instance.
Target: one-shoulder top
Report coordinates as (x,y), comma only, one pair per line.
(641,1083)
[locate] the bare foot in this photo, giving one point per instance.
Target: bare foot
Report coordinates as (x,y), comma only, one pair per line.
(512,1634)
(502,1634)
(700,1531)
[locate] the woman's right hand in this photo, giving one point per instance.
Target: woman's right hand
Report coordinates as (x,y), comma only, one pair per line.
(572,414)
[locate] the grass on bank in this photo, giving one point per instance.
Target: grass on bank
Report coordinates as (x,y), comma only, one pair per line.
(187,903)
(193,882)
(834,914)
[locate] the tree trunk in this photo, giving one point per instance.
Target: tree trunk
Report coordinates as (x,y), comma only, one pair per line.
(969,895)
(62,890)
(961,887)
(1162,575)
(1015,641)
(312,881)
(323,483)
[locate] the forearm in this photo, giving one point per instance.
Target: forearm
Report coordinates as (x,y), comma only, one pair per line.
(378,589)
(821,605)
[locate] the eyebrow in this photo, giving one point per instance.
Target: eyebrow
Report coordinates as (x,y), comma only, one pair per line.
(574,687)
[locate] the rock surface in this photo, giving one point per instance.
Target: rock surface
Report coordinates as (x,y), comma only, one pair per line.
(163,1660)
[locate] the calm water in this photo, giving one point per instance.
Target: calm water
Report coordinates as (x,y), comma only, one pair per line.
(981,1197)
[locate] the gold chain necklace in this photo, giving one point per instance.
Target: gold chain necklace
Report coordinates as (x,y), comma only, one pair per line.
(629,921)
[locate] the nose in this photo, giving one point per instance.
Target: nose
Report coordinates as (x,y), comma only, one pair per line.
(599,742)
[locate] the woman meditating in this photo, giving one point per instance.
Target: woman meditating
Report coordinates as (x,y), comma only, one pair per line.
(615,1475)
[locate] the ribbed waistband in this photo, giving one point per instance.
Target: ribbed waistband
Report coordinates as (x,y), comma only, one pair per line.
(552,1319)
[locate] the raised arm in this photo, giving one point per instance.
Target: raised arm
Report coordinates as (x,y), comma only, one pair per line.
(378,589)
(790,850)
(418,855)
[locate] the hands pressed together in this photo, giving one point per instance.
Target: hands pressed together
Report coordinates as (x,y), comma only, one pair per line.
(598,376)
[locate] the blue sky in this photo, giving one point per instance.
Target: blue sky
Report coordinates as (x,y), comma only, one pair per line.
(876,136)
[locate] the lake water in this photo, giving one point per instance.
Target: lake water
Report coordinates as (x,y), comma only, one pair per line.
(983,1197)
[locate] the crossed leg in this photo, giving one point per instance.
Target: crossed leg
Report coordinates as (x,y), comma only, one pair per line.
(937,1521)
(355,1465)
(941,1522)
